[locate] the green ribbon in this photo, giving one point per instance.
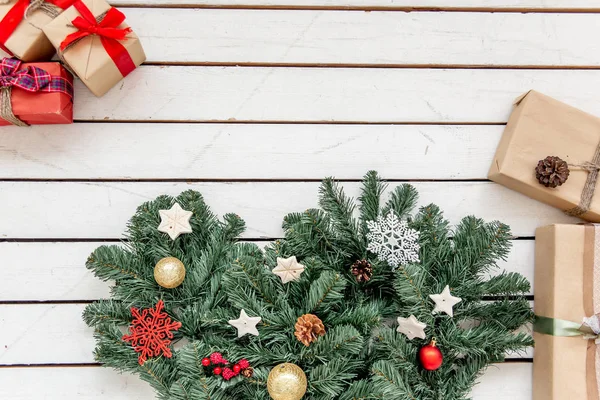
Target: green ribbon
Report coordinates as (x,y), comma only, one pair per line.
(560,327)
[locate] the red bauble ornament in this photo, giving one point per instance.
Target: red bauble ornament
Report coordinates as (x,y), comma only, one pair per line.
(206,361)
(431,357)
(237,369)
(217,371)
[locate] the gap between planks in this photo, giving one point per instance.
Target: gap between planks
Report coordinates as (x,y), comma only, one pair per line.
(61,302)
(95,365)
(498,10)
(283,122)
(248,64)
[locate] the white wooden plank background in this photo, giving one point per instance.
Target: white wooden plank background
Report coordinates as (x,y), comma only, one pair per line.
(195,93)
(388,38)
(52,271)
(94,210)
(324,89)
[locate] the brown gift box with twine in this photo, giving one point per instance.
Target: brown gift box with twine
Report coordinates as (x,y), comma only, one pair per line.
(566,362)
(539,127)
(89,57)
(22,21)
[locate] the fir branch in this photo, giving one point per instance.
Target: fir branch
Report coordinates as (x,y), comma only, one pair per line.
(325,291)
(341,209)
(370,198)
(402,201)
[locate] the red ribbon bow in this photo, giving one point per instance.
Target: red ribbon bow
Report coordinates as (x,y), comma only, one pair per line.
(15,16)
(109,32)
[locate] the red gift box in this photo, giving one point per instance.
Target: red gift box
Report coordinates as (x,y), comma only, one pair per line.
(35,103)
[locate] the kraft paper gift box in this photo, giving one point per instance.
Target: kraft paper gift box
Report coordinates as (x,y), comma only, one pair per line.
(566,291)
(541,126)
(35,93)
(100,53)
(21,23)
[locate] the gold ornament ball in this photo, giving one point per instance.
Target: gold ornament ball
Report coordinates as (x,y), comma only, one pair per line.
(169,272)
(287,382)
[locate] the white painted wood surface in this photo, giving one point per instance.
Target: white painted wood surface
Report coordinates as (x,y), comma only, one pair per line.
(103,151)
(195,93)
(303,64)
(94,210)
(333,37)
(53,271)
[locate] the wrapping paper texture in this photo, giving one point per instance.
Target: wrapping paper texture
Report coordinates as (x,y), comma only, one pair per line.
(563,368)
(88,58)
(43,108)
(541,126)
(28,42)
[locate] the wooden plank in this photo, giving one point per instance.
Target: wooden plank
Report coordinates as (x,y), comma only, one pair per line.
(49,271)
(66,339)
(54,271)
(324,37)
(103,151)
(179,93)
(94,383)
(44,334)
(101,209)
(505,382)
(385,4)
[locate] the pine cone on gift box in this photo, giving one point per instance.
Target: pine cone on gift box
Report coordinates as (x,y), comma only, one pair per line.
(308,328)
(362,270)
(552,171)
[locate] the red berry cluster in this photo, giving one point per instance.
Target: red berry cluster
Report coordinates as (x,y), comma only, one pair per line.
(224,367)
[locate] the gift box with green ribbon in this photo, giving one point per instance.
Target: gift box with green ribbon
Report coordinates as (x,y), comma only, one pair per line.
(566,362)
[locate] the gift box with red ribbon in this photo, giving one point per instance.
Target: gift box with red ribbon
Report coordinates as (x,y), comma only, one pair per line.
(21,23)
(93,39)
(35,93)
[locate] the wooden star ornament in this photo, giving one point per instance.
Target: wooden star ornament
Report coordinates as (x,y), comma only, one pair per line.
(245,324)
(288,269)
(175,221)
(444,302)
(411,327)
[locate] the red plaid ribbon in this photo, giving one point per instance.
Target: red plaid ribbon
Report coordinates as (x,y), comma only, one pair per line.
(15,15)
(31,79)
(109,32)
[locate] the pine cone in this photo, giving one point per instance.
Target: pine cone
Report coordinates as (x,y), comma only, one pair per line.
(308,328)
(362,270)
(248,372)
(552,171)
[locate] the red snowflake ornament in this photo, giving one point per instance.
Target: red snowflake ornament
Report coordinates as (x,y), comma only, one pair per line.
(151,332)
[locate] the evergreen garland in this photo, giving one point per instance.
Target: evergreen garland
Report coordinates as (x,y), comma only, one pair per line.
(361,355)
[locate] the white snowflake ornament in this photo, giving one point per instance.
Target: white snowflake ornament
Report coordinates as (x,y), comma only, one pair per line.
(393,241)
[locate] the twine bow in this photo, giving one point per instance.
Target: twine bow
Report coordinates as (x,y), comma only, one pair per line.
(23,9)
(52,8)
(28,78)
(107,28)
(593,167)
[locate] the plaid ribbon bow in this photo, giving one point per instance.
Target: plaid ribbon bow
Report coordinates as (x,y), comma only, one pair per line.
(29,78)
(107,28)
